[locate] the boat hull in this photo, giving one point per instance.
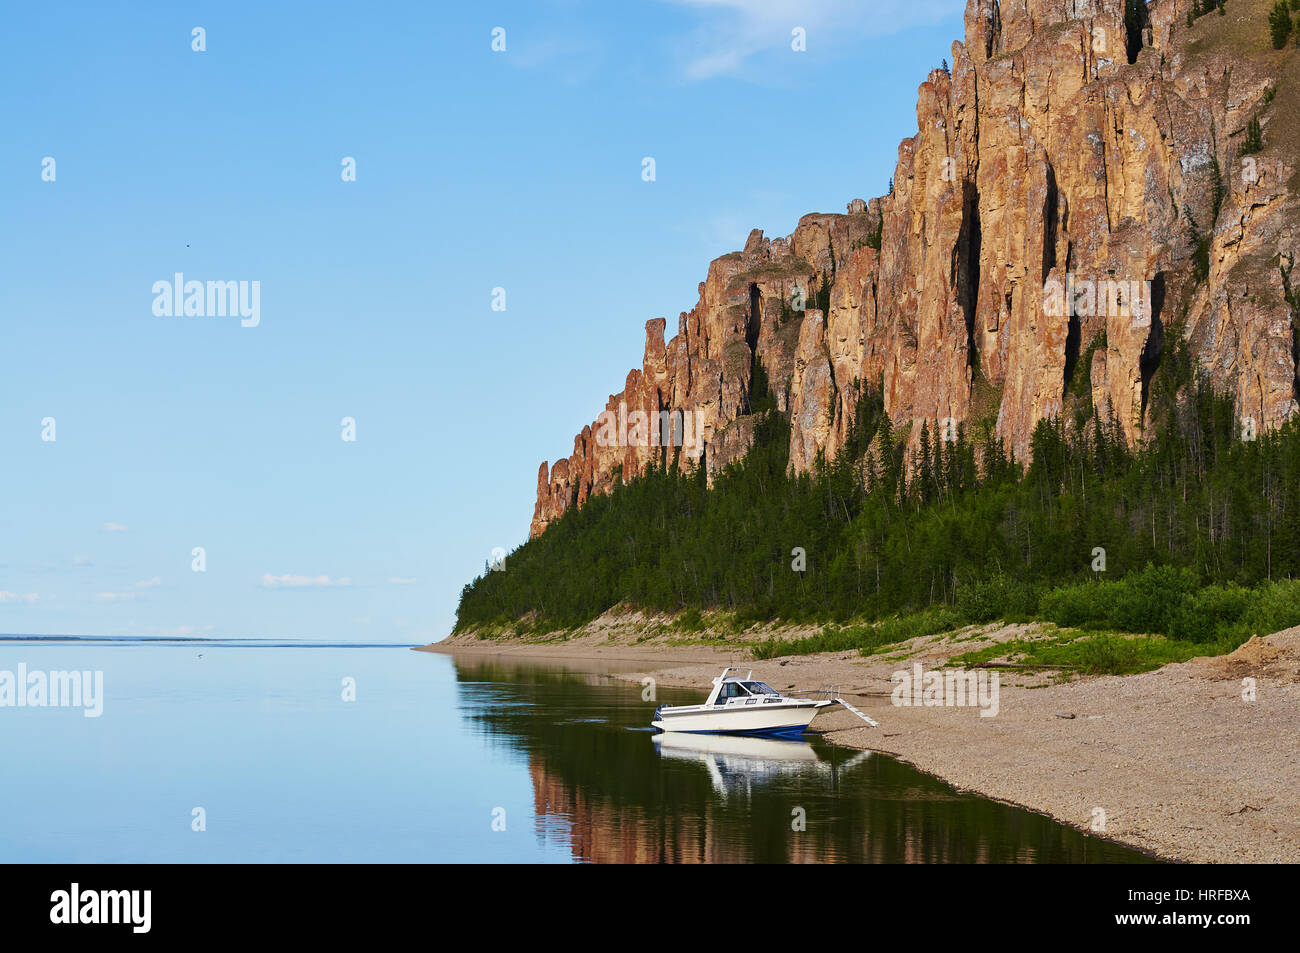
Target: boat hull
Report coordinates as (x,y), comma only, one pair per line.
(774,721)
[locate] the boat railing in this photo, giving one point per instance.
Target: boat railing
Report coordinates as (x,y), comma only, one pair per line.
(825,693)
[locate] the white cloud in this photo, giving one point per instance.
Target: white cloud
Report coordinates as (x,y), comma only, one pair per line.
(290,581)
(402,580)
(28,597)
(81,561)
(731,32)
(131,593)
(114,527)
(568,52)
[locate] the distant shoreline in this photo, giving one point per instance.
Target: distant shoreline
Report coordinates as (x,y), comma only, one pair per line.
(1172,762)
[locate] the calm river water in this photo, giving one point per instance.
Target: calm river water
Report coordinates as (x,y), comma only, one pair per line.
(252,751)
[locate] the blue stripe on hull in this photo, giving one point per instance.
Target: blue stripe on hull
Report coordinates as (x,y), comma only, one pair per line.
(786,731)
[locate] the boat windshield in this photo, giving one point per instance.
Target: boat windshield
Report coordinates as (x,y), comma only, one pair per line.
(759,688)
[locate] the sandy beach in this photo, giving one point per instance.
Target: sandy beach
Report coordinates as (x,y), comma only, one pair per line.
(1176,762)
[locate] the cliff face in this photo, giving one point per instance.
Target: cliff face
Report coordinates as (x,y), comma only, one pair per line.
(1064,173)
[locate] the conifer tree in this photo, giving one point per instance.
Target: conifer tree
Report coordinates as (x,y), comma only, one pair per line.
(1280,25)
(925,465)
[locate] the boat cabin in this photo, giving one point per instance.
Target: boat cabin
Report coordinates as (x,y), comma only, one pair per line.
(734,690)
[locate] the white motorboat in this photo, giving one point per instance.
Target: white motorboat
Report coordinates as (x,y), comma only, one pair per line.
(743,706)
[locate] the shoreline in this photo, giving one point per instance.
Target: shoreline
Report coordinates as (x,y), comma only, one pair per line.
(1174,762)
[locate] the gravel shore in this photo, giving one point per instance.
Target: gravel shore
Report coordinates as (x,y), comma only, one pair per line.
(1177,762)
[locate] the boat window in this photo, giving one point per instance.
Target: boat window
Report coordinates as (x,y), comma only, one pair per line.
(760,688)
(731,690)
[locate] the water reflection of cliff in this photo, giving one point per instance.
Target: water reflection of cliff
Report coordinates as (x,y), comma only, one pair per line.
(737,769)
(608,790)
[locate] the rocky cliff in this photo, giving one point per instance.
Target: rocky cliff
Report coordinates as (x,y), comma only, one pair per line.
(1084,182)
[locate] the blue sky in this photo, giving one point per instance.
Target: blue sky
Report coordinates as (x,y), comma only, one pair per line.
(475,170)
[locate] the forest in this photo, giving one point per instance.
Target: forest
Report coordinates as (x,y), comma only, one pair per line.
(1194,535)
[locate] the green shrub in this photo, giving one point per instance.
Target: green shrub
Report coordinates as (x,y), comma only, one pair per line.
(1253,144)
(755,613)
(1271,608)
(1201,258)
(1075,607)
(999,597)
(1108,655)
(1155,601)
(876,236)
(1208,614)
(832,638)
(917,624)
(1089,654)
(866,639)
(1147,602)
(690,621)
(1279,23)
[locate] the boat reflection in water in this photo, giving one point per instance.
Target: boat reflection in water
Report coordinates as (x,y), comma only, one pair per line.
(605,788)
(738,764)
